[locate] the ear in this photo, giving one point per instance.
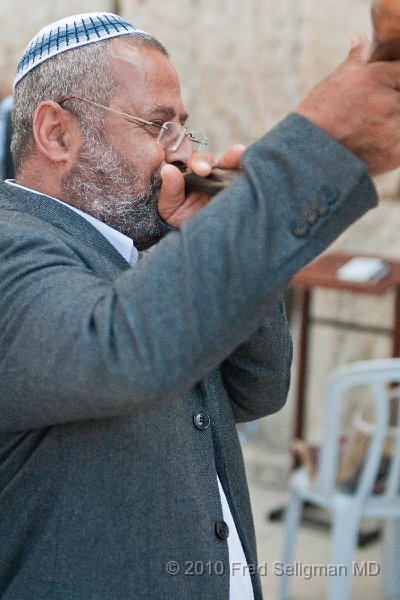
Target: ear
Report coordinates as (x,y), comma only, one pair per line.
(56,132)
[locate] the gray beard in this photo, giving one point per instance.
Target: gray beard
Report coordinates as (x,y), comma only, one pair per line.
(105,186)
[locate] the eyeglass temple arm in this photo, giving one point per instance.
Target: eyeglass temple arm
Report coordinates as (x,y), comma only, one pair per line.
(386,25)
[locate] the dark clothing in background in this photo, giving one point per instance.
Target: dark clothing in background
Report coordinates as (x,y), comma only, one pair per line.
(9,171)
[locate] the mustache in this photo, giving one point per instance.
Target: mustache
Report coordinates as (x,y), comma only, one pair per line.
(156,181)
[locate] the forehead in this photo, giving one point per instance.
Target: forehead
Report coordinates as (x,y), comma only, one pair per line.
(145,76)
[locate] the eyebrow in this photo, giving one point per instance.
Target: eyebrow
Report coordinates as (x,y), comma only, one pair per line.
(168,113)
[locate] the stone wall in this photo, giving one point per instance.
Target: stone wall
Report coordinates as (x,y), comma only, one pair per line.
(244,64)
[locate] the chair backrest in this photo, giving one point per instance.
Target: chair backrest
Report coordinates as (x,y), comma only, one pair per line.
(381,377)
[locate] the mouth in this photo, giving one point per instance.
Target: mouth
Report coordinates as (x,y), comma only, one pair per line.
(180,165)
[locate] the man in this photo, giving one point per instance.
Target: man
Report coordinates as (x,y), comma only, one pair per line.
(121,475)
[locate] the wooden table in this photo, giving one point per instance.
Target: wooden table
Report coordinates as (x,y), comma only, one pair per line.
(322,273)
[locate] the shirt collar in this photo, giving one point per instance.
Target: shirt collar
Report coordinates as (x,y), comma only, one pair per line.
(122,243)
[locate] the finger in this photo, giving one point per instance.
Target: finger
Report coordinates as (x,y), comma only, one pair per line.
(360,49)
(231,158)
(201,163)
(172,193)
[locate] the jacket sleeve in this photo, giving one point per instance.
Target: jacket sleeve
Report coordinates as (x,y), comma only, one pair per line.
(78,346)
(257,374)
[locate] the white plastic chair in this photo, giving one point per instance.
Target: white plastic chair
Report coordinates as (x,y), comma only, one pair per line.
(347,508)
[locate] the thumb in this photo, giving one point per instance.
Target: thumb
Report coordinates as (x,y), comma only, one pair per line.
(172,193)
(360,49)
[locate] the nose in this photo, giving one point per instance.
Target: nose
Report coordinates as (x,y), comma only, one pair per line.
(182,154)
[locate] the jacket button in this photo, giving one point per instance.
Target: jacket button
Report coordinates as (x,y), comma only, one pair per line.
(322,206)
(222,530)
(331,193)
(201,420)
(301,227)
(310,215)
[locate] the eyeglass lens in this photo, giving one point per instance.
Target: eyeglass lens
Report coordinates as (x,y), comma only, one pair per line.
(172,134)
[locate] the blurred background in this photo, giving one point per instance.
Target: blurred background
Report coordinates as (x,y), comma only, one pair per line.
(244,64)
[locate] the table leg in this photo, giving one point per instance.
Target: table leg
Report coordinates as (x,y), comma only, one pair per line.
(396,325)
(303,301)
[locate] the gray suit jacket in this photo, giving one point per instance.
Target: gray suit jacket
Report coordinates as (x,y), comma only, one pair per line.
(106,473)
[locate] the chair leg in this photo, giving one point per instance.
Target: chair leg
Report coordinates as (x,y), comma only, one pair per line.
(346,520)
(291,524)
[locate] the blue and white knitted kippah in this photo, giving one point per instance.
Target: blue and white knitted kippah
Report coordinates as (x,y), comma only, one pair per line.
(70,33)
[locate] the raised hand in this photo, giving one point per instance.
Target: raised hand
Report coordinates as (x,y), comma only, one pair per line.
(176,206)
(359,106)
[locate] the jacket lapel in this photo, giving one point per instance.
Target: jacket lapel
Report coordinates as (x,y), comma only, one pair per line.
(45,208)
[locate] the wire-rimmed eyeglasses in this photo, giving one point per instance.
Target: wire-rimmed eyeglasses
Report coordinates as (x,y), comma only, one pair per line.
(170,134)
